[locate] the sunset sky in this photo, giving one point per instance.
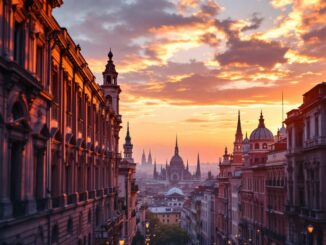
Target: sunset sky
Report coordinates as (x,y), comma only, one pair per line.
(187,66)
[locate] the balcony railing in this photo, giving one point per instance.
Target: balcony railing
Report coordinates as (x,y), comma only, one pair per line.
(99,193)
(91,194)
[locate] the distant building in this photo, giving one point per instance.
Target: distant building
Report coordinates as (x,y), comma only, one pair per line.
(174,198)
(176,171)
(166,215)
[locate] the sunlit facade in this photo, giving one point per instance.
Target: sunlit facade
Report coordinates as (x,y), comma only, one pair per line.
(59,134)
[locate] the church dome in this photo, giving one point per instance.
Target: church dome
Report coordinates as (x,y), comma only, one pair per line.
(174,190)
(261,132)
(176,161)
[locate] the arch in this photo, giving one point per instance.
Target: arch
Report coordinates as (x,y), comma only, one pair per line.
(256,145)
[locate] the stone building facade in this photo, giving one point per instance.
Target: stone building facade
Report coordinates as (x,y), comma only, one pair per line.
(306,167)
(59,134)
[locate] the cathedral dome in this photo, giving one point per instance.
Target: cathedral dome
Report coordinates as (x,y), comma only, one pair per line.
(176,161)
(261,132)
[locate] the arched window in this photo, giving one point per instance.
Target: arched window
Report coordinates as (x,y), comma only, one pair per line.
(17,111)
(256,145)
(264,146)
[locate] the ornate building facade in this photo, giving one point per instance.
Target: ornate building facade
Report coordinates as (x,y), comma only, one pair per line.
(306,166)
(59,130)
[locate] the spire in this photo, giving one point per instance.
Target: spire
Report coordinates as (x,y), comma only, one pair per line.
(110,55)
(239,131)
(150,161)
(198,167)
(261,120)
(128,146)
(143,158)
(154,171)
(176,150)
(187,168)
(128,138)
(226,151)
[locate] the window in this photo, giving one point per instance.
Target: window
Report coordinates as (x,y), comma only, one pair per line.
(54,87)
(308,127)
(39,62)
(316,125)
(257,146)
(69,105)
(19,43)
(55,234)
(264,146)
(70,226)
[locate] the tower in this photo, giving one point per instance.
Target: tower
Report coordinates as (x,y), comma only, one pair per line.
(149,161)
(143,158)
(128,147)
(155,171)
(198,174)
(237,150)
(110,85)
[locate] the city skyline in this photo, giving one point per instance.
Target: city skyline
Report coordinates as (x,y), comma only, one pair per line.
(186,67)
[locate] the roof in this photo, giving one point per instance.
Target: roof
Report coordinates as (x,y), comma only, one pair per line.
(158,210)
(174,190)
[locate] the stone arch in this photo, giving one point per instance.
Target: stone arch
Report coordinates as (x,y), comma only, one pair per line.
(17,106)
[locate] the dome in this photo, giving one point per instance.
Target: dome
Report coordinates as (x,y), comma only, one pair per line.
(176,161)
(261,132)
(174,190)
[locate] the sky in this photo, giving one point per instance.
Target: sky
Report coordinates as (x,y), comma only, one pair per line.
(187,66)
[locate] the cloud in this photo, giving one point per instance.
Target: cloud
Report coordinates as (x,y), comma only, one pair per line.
(255,23)
(253,52)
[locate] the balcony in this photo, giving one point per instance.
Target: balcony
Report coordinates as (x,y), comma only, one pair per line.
(315,141)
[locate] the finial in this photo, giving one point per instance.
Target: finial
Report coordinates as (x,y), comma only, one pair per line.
(110,55)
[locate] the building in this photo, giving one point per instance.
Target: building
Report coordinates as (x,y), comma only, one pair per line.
(166,215)
(226,216)
(59,130)
(174,198)
(128,191)
(306,166)
(177,172)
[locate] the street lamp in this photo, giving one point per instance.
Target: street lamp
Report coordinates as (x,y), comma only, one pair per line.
(121,242)
(310,230)
(147,225)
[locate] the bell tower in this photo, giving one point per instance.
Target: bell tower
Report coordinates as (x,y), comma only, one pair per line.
(110,85)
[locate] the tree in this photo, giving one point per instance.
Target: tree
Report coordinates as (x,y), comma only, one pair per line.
(169,235)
